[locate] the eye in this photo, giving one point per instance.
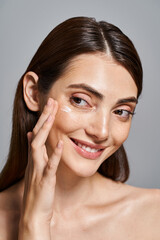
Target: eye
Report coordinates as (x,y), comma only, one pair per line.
(125,114)
(79,101)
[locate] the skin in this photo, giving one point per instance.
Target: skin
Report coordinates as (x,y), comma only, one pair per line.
(64,196)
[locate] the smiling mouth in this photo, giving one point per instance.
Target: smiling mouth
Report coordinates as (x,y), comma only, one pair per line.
(86,147)
(87,150)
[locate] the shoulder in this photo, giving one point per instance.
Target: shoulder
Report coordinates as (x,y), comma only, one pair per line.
(9,212)
(3,215)
(144,208)
(134,212)
(140,212)
(145,199)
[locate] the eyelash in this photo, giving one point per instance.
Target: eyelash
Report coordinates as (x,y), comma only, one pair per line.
(73,100)
(119,111)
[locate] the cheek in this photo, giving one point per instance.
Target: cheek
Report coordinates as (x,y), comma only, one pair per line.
(120,133)
(68,120)
(64,124)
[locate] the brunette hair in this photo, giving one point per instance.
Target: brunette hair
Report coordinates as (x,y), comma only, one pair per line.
(74,36)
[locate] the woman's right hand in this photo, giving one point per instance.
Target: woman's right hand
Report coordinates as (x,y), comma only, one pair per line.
(40,179)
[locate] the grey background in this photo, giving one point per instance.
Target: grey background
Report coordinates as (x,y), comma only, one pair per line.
(25,23)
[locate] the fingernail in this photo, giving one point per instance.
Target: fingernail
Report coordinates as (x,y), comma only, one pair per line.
(49,102)
(29,136)
(49,118)
(59,145)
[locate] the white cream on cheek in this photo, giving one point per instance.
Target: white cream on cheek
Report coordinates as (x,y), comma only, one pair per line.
(68,115)
(78,116)
(65,109)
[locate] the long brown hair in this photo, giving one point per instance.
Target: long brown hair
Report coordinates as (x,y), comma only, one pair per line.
(73,37)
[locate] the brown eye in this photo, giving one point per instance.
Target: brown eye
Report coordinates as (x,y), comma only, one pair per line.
(79,101)
(123,113)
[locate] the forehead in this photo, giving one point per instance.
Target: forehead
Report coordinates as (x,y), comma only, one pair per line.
(100,72)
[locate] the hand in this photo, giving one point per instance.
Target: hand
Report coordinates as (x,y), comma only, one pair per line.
(40,176)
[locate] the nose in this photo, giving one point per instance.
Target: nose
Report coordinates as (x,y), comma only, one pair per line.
(98,126)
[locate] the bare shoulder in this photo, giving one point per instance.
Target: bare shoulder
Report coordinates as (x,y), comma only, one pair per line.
(134,212)
(9,213)
(3,214)
(145,210)
(145,199)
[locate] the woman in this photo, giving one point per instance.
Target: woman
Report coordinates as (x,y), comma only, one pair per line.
(72,112)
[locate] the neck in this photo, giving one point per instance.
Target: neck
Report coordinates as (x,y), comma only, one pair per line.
(71,190)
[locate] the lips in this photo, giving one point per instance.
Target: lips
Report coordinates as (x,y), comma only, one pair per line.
(87,150)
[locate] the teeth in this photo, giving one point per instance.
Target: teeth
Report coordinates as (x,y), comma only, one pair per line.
(88,149)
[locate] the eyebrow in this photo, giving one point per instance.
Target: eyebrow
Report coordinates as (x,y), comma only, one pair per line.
(100,95)
(87,88)
(126,100)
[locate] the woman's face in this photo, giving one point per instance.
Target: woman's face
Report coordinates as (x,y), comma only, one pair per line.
(96,98)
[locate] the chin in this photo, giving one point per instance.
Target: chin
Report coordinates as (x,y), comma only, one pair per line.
(82,168)
(85,172)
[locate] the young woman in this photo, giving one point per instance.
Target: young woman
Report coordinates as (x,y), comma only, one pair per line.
(72,113)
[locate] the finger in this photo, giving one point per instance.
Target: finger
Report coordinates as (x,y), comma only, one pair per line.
(41,137)
(53,162)
(39,156)
(50,107)
(29,138)
(28,168)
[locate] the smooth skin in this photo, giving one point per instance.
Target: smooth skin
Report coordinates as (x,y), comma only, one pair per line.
(62,196)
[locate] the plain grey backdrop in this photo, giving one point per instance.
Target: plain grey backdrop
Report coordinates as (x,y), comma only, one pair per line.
(25,23)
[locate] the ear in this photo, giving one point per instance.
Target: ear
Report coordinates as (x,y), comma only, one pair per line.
(30,91)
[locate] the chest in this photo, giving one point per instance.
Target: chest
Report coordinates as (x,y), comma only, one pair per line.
(102,224)
(101,228)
